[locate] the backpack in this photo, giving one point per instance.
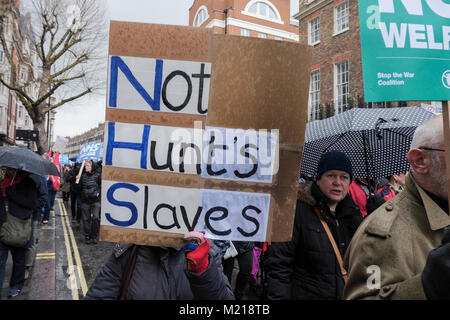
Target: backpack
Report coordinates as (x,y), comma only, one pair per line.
(15,232)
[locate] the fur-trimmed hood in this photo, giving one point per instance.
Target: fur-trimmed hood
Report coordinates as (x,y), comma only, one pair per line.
(304,194)
(310,194)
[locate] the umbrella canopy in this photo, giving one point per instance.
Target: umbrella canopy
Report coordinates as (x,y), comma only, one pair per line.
(375,140)
(26,160)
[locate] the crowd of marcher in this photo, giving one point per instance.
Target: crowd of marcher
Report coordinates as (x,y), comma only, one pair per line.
(29,198)
(344,228)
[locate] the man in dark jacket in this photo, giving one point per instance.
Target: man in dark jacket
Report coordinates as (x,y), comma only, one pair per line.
(163,273)
(307,267)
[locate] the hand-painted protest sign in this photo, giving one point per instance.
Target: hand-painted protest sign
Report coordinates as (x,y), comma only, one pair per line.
(191,148)
(405,49)
(60,144)
(91,151)
(64,159)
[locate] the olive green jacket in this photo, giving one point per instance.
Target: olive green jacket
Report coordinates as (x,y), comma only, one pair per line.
(388,252)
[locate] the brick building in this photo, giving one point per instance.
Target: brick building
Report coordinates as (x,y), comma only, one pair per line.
(336,85)
(251,18)
(18,35)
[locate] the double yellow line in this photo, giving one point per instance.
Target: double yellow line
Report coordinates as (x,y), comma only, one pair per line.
(76,269)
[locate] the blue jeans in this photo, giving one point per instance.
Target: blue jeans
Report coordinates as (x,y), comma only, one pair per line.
(18,272)
(49,205)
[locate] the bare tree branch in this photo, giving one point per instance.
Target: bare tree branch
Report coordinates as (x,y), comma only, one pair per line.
(57,105)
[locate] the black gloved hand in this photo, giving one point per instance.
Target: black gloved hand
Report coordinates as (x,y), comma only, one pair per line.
(436,274)
(373,202)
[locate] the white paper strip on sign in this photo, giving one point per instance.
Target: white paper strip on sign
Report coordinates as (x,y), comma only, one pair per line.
(226,215)
(237,154)
(158,85)
(218,153)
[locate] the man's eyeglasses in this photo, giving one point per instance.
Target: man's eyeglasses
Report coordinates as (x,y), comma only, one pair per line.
(431,149)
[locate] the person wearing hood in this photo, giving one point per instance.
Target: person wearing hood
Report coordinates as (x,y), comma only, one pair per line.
(309,267)
(90,183)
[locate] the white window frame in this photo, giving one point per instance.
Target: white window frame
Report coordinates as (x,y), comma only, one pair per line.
(341,18)
(314,31)
(200,16)
(314,96)
(245,32)
(341,85)
(260,3)
(262,35)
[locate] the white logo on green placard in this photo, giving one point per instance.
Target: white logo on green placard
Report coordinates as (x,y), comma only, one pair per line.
(446,79)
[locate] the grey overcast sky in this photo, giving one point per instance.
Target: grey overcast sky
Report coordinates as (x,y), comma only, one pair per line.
(84,114)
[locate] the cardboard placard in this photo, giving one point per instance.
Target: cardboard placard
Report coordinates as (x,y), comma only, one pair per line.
(170,166)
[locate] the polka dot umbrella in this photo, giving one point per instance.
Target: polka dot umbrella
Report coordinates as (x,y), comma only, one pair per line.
(376,140)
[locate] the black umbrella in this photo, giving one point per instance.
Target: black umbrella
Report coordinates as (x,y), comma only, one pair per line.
(26,160)
(375,140)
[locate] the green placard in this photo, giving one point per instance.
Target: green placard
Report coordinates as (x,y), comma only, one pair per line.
(405,48)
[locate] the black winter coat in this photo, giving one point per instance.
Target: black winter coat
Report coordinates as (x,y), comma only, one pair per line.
(306,268)
(71,178)
(22,199)
(90,183)
(160,273)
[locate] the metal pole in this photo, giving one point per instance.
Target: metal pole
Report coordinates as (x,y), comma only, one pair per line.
(446,142)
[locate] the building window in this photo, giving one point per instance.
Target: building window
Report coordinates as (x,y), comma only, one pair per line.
(278,38)
(23,76)
(314,96)
(341,18)
(314,31)
(378,104)
(341,86)
(201,16)
(262,9)
(1,54)
(245,32)
(5,25)
(262,35)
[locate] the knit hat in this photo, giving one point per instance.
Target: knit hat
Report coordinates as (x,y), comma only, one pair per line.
(334,160)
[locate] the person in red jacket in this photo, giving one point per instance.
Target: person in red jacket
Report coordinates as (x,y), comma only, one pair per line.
(390,187)
(366,200)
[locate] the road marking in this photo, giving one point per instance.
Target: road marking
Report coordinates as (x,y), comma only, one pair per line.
(47,228)
(45,255)
(72,277)
(83,283)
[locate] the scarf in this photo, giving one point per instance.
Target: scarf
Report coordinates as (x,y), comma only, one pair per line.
(12,181)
